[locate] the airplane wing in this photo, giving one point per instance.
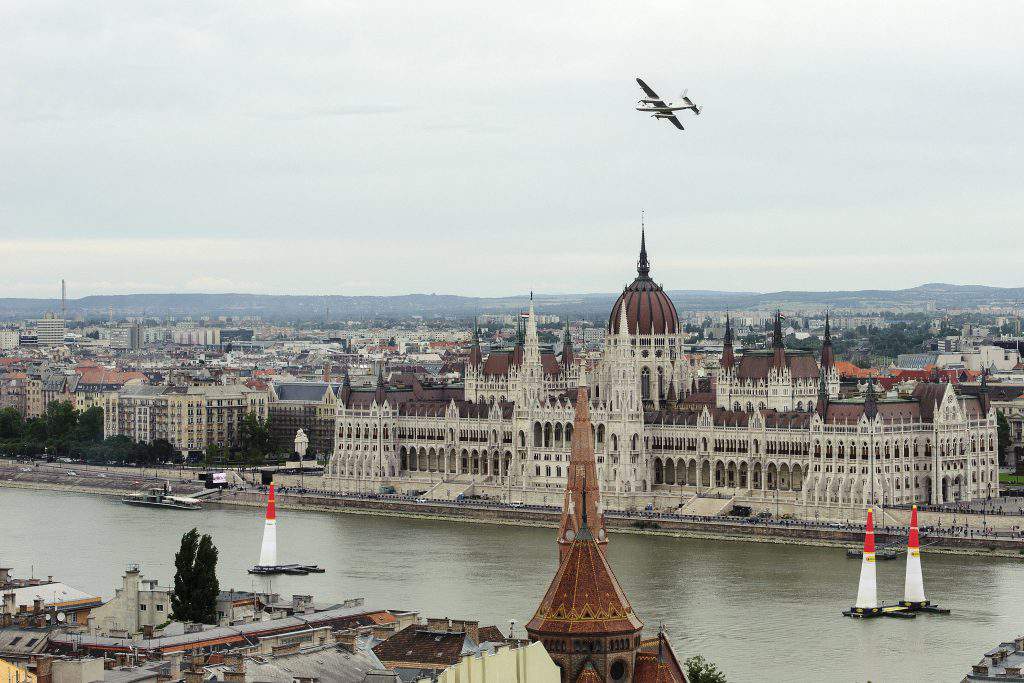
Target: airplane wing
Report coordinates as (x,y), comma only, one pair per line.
(675,122)
(658,102)
(647,89)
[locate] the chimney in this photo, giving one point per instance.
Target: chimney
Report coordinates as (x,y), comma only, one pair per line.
(470,628)
(44,668)
(9,603)
(435,624)
(347,640)
(174,670)
(37,606)
(382,631)
(194,675)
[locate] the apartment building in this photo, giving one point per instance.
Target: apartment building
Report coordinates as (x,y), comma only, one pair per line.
(191,418)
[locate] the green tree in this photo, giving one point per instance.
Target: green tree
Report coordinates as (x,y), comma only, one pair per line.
(255,435)
(195,579)
(207,588)
(1002,435)
(61,418)
(213,456)
(90,425)
(161,450)
(184,576)
(699,670)
(11,424)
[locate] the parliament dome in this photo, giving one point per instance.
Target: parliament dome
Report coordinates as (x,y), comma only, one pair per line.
(649,310)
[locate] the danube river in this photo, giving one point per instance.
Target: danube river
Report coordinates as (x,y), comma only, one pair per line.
(762,612)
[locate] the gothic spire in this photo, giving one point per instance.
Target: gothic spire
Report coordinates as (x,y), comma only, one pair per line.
(871,399)
(822,393)
(568,358)
(779,357)
(346,387)
(828,359)
(643,266)
(475,356)
(582,495)
(728,357)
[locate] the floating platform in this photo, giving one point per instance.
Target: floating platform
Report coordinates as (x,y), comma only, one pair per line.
(897,611)
(924,607)
(904,610)
(291,569)
(880,554)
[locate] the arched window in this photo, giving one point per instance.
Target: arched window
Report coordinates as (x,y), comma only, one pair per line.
(645,383)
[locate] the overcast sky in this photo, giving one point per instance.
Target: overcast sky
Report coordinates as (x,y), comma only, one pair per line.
(492,148)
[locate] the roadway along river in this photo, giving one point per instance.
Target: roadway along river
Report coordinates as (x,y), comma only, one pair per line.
(762,612)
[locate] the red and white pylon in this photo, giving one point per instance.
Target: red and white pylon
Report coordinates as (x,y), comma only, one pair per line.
(268,551)
(867,590)
(913,586)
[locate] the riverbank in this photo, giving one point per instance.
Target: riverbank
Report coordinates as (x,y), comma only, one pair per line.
(719,529)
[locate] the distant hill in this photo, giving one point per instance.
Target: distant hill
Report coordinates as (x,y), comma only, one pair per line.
(593,306)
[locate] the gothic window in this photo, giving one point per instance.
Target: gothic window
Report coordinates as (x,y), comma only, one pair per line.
(645,383)
(661,383)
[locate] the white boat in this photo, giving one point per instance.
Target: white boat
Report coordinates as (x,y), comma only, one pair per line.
(159,497)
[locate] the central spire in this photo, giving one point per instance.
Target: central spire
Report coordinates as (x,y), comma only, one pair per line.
(582,505)
(643,266)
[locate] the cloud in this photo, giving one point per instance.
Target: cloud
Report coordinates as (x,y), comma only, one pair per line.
(396,147)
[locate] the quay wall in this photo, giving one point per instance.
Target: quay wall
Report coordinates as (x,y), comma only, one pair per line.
(119,483)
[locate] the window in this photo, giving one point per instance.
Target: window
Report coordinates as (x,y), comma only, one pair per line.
(159,608)
(142,608)
(618,670)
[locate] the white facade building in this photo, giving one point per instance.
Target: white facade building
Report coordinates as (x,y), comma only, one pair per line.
(773,431)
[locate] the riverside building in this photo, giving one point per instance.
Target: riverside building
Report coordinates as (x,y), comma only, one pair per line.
(773,433)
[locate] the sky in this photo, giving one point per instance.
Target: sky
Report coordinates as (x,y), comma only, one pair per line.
(489,149)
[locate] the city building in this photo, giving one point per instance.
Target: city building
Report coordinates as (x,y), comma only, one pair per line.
(191,418)
(1003,663)
(772,433)
(309,406)
(524,664)
(49,330)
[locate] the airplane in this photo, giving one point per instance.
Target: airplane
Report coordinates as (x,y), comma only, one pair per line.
(661,110)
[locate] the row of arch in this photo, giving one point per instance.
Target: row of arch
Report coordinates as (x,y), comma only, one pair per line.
(729,474)
(449,461)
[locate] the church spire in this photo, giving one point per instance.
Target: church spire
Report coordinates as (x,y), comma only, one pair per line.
(728,356)
(822,394)
(475,356)
(779,356)
(871,399)
(568,357)
(582,494)
(643,266)
(346,386)
(380,395)
(828,359)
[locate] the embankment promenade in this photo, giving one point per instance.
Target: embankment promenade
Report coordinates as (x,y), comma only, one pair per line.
(118,482)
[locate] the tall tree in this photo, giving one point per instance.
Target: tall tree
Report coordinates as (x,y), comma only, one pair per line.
(206,585)
(11,424)
(90,425)
(1002,436)
(255,435)
(195,579)
(61,418)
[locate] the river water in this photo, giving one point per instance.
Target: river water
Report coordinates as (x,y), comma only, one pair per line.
(761,612)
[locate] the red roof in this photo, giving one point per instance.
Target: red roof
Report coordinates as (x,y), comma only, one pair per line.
(584,597)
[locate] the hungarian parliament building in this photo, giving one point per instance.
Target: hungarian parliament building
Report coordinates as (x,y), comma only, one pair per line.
(773,432)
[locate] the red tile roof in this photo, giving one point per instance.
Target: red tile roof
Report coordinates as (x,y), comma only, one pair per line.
(584,597)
